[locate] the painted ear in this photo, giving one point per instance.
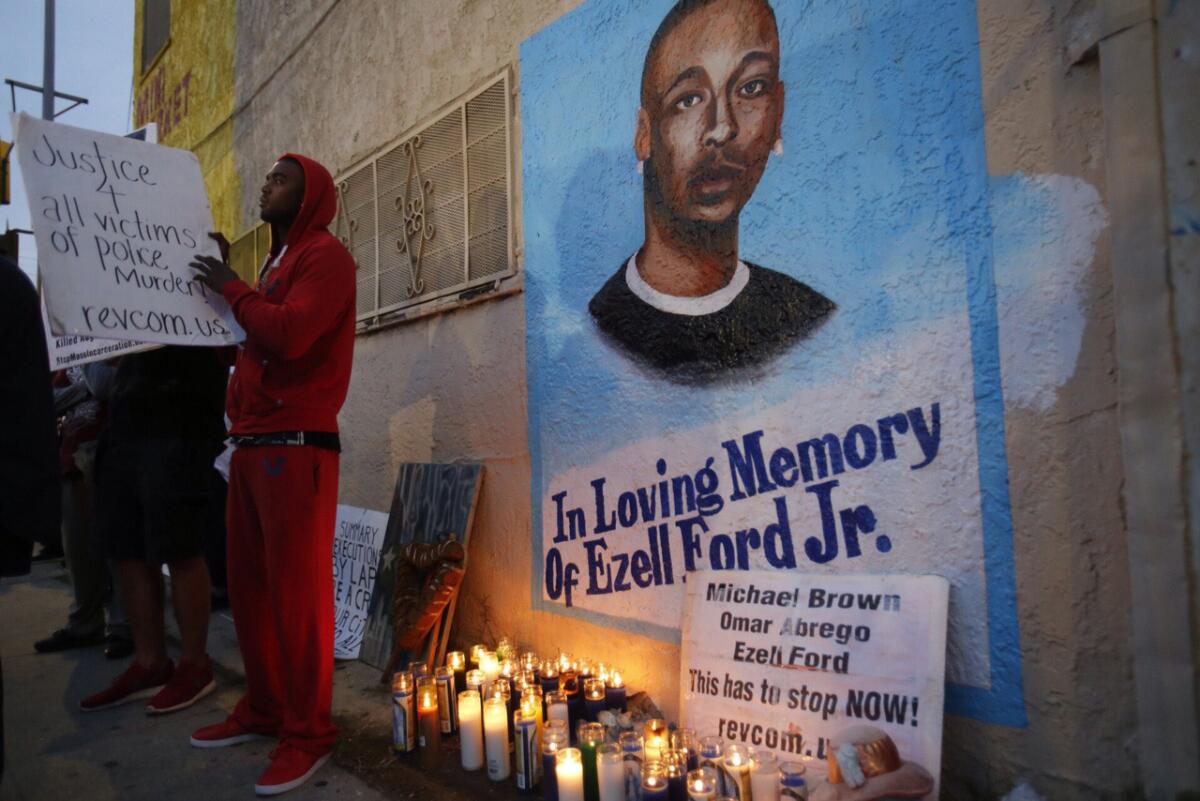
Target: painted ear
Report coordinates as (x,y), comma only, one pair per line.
(641,135)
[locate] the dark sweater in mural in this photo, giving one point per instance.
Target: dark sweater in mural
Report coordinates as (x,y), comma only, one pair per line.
(772,312)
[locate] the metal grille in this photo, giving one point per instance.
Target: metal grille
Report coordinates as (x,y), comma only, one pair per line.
(248,251)
(429,215)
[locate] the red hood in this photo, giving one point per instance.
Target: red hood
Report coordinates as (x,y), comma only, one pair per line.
(320,201)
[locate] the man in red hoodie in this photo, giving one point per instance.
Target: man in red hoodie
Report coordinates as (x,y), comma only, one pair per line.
(290,381)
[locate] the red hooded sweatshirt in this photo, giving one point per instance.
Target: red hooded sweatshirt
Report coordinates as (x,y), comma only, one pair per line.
(294,368)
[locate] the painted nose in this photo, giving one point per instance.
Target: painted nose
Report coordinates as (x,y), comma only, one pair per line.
(722,125)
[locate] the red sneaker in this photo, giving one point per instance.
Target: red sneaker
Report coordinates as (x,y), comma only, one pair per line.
(229,732)
(190,683)
(136,682)
(290,768)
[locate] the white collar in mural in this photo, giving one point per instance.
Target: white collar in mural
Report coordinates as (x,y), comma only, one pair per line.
(693,307)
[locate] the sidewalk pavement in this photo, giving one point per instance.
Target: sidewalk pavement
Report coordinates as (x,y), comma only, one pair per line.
(55,751)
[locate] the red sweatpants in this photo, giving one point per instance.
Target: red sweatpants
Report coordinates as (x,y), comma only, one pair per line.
(281,513)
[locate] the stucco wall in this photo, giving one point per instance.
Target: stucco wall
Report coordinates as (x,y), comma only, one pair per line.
(337,79)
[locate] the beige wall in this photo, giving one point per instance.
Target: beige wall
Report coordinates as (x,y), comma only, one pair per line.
(338,79)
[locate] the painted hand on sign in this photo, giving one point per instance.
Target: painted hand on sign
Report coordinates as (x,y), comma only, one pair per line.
(116,222)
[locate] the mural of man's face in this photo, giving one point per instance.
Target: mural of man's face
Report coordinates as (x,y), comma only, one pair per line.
(712,106)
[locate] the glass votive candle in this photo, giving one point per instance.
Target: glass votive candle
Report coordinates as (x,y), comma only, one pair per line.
(736,768)
(614,693)
(602,671)
(593,697)
(610,772)
(702,784)
(631,751)
(584,668)
(476,681)
(489,664)
(457,661)
(476,650)
(654,738)
(685,740)
(418,669)
(675,763)
(712,752)
(505,649)
(590,737)
(565,662)
(792,781)
(555,738)
(404,712)
(556,707)
(764,775)
(508,668)
(548,676)
(568,769)
(654,781)
(530,661)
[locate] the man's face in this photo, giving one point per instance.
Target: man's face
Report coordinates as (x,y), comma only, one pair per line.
(711,110)
(282,193)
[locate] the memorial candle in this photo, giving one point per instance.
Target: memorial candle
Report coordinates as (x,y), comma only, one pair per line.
(702,784)
(475,681)
(470,728)
(495,736)
(603,671)
(500,689)
(591,736)
(476,650)
(457,661)
(764,775)
(530,661)
(654,781)
(447,700)
(490,666)
(556,708)
(593,698)
(631,756)
(404,713)
(610,772)
(531,709)
(568,683)
(614,693)
(526,750)
(792,784)
(554,739)
(419,670)
(675,763)
(654,738)
(429,724)
(712,754)
(505,649)
(685,740)
(736,767)
(568,770)
(548,677)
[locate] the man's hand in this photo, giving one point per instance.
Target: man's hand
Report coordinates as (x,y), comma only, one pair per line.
(212,272)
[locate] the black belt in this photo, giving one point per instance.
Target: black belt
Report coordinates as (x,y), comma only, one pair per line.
(318,439)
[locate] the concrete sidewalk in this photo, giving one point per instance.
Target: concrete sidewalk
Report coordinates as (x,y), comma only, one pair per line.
(56,751)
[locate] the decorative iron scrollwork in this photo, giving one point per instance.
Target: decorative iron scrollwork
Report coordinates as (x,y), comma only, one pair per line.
(417,228)
(347,225)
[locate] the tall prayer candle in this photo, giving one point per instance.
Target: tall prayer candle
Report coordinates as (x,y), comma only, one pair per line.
(475,681)
(614,693)
(525,749)
(654,781)
(737,771)
(675,763)
(419,670)
(500,689)
(404,713)
(495,735)
(476,650)
(548,677)
(610,772)
(685,740)
(712,754)
(702,784)
(429,724)
(631,756)
(554,739)
(764,775)
(447,699)
(490,666)
(568,770)
(470,727)
(593,698)
(556,708)
(792,784)
(457,661)
(654,738)
(568,683)
(530,661)
(591,736)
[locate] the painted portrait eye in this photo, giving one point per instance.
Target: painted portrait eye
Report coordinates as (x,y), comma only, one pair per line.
(688,100)
(753,88)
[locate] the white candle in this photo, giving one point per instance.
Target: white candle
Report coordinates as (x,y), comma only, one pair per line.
(495,732)
(764,775)
(737,771)
(568,768)
(610,771)
(556,708)
(470,727)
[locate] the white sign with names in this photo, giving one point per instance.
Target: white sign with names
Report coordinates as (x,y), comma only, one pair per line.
(786,661)
(357,539)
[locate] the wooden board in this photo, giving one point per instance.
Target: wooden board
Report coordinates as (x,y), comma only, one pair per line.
(430,501)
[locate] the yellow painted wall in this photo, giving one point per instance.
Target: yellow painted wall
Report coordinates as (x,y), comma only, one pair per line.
(188,89)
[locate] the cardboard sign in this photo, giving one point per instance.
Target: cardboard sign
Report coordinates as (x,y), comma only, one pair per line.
(786,661)
(356,543)
(117,221)
(74,351)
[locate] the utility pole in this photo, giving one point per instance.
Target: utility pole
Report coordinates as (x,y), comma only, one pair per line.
(48,64)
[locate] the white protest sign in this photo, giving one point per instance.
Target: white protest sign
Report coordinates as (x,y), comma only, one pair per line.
(71,350)
(357,539)
(117,221)
(787,661)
